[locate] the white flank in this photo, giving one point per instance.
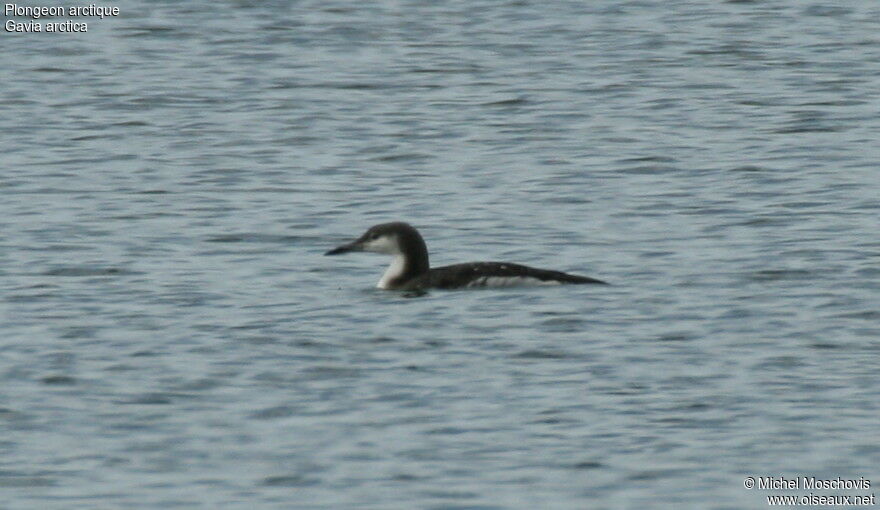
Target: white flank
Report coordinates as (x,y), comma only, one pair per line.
(509,281)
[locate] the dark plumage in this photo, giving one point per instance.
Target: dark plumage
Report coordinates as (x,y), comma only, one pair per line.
(410,269)
(448,277)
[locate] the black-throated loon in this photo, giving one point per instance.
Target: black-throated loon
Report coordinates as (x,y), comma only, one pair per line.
(410,270)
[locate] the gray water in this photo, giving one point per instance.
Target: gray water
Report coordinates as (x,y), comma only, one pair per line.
(172,336)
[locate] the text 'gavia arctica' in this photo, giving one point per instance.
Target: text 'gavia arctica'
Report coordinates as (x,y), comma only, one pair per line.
(410,270)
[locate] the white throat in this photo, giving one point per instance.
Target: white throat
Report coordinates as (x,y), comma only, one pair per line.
(395,269)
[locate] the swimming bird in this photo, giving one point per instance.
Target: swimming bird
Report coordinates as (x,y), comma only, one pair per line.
(409,269)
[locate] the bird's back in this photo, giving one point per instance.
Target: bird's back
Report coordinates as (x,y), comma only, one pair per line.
(494,274)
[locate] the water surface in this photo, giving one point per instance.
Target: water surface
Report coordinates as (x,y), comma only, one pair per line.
(174,338)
